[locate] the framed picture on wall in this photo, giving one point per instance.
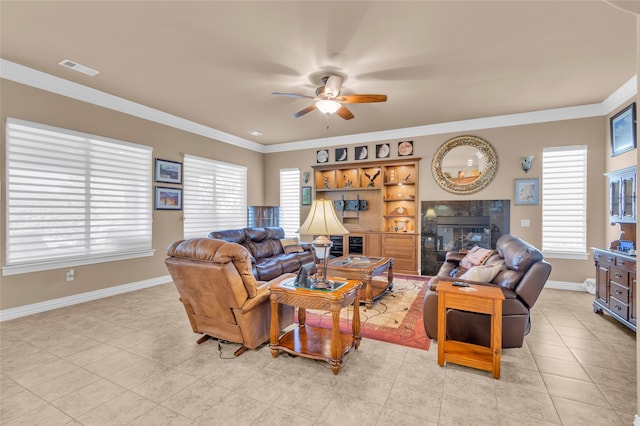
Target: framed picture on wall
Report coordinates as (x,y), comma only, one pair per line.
(623,130)
(168,171)
(168,198)
(527,192)
(306,196)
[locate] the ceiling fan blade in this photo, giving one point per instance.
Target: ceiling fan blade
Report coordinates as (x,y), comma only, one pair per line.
(333,86)
(344,113)
(361,99)
(292,95)
(304,111)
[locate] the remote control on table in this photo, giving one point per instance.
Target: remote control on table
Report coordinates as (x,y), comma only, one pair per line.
(460,284)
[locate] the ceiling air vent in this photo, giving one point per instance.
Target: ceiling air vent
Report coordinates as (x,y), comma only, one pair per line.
(78,67)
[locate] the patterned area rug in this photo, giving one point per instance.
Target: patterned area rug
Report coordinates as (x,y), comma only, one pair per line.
(395,317)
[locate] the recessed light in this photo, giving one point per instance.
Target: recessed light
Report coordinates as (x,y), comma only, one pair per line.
(255,133)
(78,67)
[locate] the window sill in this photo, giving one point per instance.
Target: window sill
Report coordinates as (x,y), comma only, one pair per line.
(565,255)
(66,263)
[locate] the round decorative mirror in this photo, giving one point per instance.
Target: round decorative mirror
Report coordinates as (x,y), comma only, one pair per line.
(464,164)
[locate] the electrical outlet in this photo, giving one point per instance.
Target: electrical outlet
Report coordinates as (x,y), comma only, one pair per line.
(525,223)
(71,275)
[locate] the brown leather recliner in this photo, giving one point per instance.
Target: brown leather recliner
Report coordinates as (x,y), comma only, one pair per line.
(222,298)
(522,277)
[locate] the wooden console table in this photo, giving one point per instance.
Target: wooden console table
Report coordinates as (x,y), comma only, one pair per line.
(475,298)
(315,342)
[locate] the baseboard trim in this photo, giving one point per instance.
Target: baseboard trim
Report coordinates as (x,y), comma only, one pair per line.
(36,308)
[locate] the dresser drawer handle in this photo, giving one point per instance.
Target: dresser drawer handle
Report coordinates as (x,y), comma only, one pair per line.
(618,275)
(618,307)
(621,262)
(618,291)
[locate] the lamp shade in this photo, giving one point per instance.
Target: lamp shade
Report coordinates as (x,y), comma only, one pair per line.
(322,220)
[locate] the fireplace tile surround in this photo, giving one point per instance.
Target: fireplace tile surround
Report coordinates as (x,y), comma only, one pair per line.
(455,225)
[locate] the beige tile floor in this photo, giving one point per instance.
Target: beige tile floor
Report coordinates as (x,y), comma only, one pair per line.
(132,360)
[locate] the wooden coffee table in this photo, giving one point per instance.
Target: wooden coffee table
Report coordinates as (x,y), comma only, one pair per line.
(364,269)
(475,298)
(315,342)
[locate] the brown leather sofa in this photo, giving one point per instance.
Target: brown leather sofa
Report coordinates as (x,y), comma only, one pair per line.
(269,260)
(522,276)
(221,296)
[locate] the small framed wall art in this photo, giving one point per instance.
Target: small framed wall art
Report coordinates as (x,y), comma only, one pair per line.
(342,154)
(527,192)
(168,198)
(382,150)
(322,156)
(623,130)
(362,153)
(306,196)
(168,171)
(405,148)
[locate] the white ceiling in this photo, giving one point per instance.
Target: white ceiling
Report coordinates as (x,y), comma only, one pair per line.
(216,63)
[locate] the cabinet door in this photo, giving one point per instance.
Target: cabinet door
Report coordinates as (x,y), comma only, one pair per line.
(632,299)
(373,245)
(614,200)
(602,284)
(628,198)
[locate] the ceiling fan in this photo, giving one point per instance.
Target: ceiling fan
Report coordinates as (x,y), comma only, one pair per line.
(329,100)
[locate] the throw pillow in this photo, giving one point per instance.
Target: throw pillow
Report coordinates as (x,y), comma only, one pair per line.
(475,257)
(291,245)
(482,274)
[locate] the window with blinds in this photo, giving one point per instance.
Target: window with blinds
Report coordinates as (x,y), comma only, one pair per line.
(564,202)
(290,201)
(74,198)
(214,197)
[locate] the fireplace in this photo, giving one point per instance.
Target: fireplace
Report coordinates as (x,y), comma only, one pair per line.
(456,225)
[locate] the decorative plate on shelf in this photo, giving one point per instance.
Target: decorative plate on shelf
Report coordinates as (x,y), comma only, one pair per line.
(322,156)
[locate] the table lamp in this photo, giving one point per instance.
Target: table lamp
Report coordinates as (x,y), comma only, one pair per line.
(322,221)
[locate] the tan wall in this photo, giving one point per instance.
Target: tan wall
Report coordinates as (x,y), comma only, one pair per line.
(510,143)
(31,104)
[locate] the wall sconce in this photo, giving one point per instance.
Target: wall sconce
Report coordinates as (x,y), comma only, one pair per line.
(305,177)
(526,163)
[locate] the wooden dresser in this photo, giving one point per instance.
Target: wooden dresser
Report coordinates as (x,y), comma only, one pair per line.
(616,286)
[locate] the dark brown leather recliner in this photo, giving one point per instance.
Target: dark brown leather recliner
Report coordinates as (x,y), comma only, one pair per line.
(222,298)
(522,277)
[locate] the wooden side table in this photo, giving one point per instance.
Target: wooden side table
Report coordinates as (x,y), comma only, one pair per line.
(475,298)
(315,342)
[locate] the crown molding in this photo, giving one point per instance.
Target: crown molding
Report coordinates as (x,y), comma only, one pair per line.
(40,80)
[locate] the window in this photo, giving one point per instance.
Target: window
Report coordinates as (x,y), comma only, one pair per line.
(564,202)
(74,198)
(215,196)
(290,201)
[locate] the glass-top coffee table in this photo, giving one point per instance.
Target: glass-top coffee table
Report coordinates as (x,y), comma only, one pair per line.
(364,268)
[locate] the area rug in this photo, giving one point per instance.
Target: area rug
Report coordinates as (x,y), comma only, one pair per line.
(395,317)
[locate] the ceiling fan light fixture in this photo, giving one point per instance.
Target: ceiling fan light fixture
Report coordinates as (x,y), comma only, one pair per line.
(328,106)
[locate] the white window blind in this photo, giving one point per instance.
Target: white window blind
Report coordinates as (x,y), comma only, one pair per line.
(290,201)
(74,198)
(564,201)
(215,196)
